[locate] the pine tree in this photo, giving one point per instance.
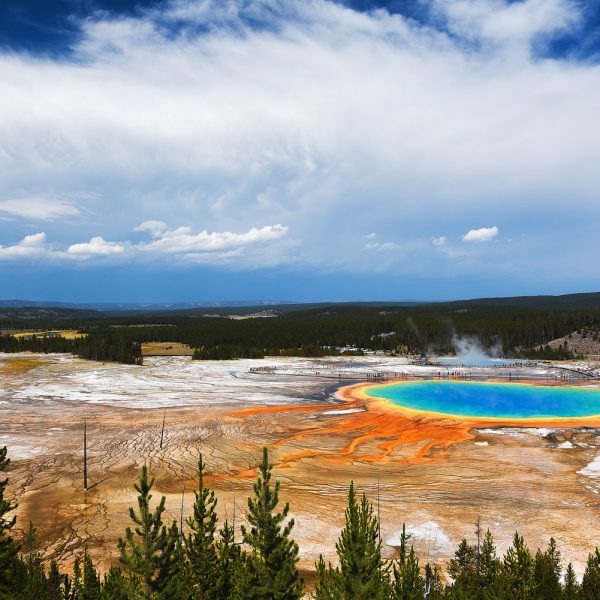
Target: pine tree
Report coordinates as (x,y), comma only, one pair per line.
(571,589)
(200,547)
(55,588)
(463,570)
(590,584)
(176,570)
(326,588)
(361,574)
(270,569)
(518,570)
(434,588)
(77,582)
(91,580)
(8,548)
(408,583)
(489,565)
(114,586)
(228,562)
(547,572)
(35,576)
(142,552)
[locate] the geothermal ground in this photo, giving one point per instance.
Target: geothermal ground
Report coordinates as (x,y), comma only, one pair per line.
(542,481)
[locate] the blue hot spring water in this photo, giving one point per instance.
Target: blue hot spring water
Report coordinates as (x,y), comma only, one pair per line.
(485,399)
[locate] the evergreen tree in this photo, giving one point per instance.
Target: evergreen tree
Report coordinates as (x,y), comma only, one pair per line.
(270,569)
(463,570)
(434,588)
(327,587)
(361,574)
(590,584)
(228,561)
(518,570)
(35,576)
(8,548)
(547,572)
(91,580)
(54,587)
(571,589)
(408,583)
(77,583)
(200,547)
(489,564)
(176,570)
(142,552)
(68,592)
(114,586)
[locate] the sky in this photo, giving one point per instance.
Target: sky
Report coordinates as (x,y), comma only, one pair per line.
(299,150)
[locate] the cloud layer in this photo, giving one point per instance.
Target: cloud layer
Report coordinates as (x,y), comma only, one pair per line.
(227,115)
(215,247)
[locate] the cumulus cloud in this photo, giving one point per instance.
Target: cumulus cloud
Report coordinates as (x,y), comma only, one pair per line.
(182,240)
(30,247)
(439,241)
(218,247)
(483,234)
(97,246)
(38,208)
(331,121)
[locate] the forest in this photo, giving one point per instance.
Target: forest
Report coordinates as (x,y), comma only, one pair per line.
(513,331)
(106,346)
(195,558)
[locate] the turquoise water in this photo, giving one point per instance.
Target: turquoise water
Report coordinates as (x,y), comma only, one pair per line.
(499,400)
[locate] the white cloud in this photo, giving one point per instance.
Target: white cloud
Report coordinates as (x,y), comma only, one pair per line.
(38,208)
(30,247)
(483,234)
(439,241)
(381,246)
(513,24)
(154,227)
(331,121)
(182,240)
(97,246)
(218,247)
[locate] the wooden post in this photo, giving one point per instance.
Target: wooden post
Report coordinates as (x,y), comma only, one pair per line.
(85,479)
(162,431)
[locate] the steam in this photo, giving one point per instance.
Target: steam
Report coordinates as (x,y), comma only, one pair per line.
(469,350)
(414,328)
(471,353)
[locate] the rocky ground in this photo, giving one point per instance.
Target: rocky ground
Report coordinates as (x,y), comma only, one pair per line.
(583,342)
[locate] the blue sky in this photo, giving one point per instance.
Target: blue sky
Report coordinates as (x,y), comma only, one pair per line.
(298,150)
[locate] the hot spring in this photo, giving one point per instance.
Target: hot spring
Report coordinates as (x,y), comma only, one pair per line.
(491,399)
(479,360)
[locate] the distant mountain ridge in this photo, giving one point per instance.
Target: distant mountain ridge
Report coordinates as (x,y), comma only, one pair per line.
(582,300)
(136,306)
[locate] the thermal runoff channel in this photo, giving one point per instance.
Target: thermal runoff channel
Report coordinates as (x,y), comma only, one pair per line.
(491,399)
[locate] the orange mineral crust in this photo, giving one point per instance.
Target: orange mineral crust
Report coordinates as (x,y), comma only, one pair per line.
(383,431)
